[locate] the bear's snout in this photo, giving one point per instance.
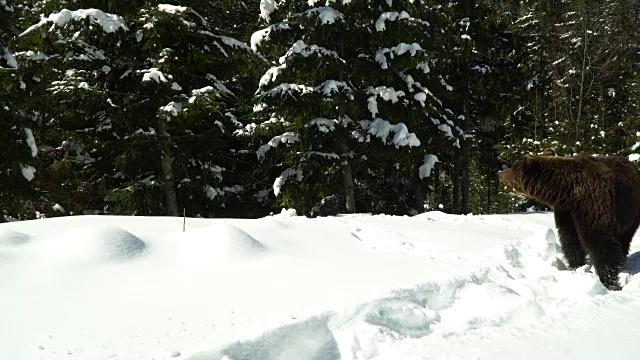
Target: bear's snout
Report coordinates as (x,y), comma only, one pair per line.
(504,176)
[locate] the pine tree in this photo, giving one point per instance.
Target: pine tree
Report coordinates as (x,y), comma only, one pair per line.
(63,55)
(307,98)
(404,91)
(351,82)
(16,137)
(149,94)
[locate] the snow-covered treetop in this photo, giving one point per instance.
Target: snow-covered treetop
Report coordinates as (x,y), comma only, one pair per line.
(109,22)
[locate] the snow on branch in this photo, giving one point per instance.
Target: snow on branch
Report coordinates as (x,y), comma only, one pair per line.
(407,48)
(386,93)
(382,129)
(396,16)
(421,91)
(390,16)
(282,179)
(400,49)
(271,75)
(259,36)
(483,69)
(324,125)
(172,9)
(73,79)
(31,141)
(326,14)
(9,59)
(288,89)
(267,7)
(234,43)
(28,171)
(424,67)
(331,156)
(300,48)
(195,93)
(330,86)
(173,108)
(30,55)
(444,83)
(154,74)
(109,22)
(429,162)
(286,138)
(212,192)
(90,52)
(219,85)
(421,98)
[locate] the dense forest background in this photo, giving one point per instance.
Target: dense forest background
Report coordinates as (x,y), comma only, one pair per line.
(237,108)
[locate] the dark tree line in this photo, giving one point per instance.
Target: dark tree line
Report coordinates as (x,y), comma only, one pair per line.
(238,108)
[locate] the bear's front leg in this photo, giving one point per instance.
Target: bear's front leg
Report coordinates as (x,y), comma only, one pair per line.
(608,273)
(571,246)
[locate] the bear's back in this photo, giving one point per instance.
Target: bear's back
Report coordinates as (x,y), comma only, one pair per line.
(626,177)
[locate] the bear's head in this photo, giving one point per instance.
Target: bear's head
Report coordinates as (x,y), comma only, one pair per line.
(528,167)
(514,177)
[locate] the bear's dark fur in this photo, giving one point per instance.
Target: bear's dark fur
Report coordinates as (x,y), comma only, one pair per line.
(596,202)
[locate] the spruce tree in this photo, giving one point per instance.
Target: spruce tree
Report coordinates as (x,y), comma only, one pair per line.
(351,83)
(16,136)
(145,102)
(307,98)
(63,56)
(405,92)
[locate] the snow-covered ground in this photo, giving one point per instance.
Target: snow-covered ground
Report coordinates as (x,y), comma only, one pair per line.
(285,287)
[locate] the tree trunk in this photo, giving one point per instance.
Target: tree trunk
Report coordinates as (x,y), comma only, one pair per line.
(582,85)
(347,176)
(488,185)
(464,181)
(419,197)
(166,162)
(464,147)
(455,193)
(347,170)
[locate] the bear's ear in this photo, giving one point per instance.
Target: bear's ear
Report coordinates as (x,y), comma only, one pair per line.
(548,152)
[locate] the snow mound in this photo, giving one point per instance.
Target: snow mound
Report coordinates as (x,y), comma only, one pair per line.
(93,244)
(10,237)
(217,242)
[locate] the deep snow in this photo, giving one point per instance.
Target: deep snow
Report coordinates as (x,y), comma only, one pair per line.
(432,286)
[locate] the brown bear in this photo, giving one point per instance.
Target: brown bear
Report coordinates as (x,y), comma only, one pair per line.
(596,202)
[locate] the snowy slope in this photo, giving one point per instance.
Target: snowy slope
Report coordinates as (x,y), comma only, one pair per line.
(433,286)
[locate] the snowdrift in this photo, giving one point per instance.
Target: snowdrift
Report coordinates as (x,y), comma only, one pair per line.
(433,286)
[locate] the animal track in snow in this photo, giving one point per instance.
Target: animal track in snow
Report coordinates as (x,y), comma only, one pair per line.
(521,283)
(379,238)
